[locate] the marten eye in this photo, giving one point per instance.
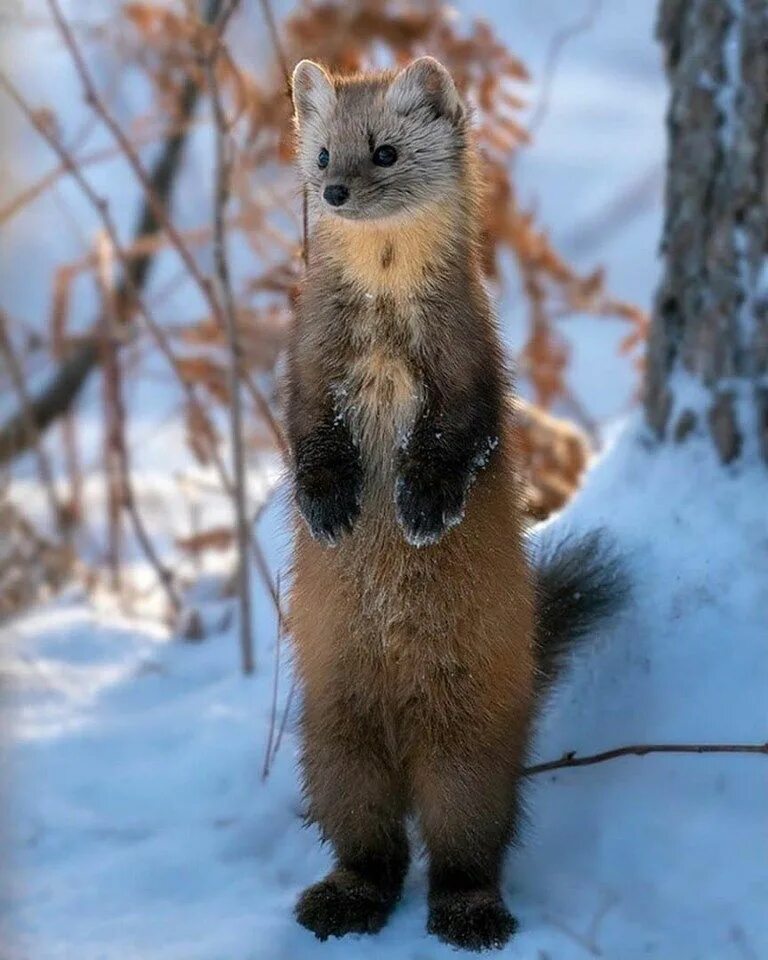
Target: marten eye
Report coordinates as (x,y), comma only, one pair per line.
(322,159)
(384,156)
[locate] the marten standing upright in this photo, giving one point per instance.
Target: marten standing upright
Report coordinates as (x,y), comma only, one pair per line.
(420,643)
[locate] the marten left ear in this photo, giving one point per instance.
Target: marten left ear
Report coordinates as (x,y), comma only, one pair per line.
(426,83)
(312,90)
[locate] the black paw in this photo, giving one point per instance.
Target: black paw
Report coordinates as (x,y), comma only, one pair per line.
(329,499)
(472,920)
(428,505)
(343,903)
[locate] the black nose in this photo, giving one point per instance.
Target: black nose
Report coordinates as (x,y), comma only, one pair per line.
(336,194)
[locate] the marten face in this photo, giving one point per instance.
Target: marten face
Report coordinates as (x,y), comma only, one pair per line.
(379,145)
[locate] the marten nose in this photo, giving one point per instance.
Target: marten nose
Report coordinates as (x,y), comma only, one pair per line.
(336,194)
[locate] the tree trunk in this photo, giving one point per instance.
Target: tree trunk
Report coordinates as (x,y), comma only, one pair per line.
(708,351)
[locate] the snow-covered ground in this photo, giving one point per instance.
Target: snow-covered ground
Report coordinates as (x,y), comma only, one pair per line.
(142,826)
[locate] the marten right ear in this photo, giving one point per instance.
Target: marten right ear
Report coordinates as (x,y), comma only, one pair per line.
(426,83)
(312,90)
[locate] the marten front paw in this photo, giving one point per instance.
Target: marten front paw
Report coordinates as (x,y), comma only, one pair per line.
(428,505)
(329,498)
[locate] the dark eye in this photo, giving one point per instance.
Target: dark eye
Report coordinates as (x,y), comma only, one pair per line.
(384,156)
(322,159)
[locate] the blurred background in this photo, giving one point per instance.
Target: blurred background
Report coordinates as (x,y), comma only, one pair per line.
(114,327)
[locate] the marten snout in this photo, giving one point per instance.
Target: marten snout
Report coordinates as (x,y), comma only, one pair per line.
(336,194)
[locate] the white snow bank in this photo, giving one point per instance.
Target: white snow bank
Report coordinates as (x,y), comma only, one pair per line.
(142,827)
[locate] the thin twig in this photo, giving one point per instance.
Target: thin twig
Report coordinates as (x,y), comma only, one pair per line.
(640,750)
(286,714)
(222,22)
(117,445)
(262,568)
(20,388)
(630,201)
(282,60)
(73,468)
(556,47)
(114,420)
(29,194)
(265,410)
(226,295)
(275,685)
(274,35)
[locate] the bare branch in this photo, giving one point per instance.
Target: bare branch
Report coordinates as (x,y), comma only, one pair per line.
(223,20)
(640,750)
(269,17)
(133,279)
(118,448)
(284,720)
(29,194)
(282,60)
(114,417)
(157,207)
(226,295)
(556,47)
(268,756)
(65,386)
(25,405)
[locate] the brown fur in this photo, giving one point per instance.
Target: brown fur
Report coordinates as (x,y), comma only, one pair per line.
(417,664)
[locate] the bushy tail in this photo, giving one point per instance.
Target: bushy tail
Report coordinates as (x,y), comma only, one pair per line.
(579,581)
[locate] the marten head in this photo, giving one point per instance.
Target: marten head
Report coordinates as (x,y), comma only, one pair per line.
(378,145)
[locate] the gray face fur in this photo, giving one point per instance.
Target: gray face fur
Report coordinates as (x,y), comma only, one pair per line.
(417,111)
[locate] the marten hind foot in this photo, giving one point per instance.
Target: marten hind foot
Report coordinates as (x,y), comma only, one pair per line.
(345,902)
(471,919)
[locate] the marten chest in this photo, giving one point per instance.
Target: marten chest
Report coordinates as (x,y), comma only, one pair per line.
(385,271)
(382,390)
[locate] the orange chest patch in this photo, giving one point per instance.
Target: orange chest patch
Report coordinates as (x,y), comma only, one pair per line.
(388,259)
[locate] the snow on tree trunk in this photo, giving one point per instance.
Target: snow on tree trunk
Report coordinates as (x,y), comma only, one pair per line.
(708,351)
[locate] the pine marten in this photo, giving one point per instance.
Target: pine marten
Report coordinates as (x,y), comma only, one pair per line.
(421,640)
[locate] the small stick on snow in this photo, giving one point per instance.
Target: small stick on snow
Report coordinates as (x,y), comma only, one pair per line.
(640,750)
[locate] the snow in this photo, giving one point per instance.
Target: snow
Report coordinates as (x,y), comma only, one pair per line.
(142,826)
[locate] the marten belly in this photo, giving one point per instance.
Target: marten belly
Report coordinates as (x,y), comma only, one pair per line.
(414,635)
(389,592)
(380,399)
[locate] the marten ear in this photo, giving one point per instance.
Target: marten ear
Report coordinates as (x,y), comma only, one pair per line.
(312,90)
(426,83)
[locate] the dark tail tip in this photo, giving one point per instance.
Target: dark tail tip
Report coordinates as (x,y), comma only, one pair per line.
(580,580)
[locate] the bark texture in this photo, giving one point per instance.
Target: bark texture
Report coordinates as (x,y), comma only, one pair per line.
(710,325)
